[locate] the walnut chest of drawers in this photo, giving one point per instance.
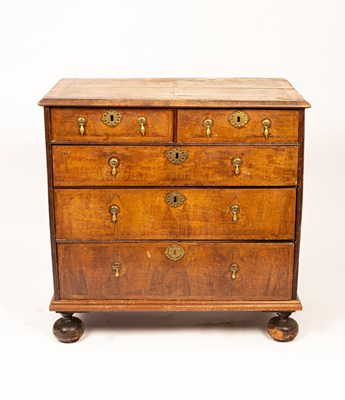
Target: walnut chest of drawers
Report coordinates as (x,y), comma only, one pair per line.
(175,195)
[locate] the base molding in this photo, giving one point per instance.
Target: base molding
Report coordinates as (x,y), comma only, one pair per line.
(172,305)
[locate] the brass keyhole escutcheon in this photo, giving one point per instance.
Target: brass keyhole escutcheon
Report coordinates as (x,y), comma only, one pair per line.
(235,209)
(236,162)
(81,122)
(266,124)
(175,199)
(114,211)
(208,123)
(174,252)
(238,119)
(117,268)
(234,270)
(114,163)
(177,155)
(142,123)
(112,117)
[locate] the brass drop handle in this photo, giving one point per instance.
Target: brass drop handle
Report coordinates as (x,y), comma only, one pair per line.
(142,123)
(81,122)
(234,269)
(117,268)
(208,123)
(236,162)
(235,209)
(113,162)
(114,210)
(266,123)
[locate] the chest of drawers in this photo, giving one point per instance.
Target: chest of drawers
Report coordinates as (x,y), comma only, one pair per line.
(175,195)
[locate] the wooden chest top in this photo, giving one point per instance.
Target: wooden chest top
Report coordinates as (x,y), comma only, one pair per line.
(175,92)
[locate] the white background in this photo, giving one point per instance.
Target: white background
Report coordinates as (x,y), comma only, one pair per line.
(169,356)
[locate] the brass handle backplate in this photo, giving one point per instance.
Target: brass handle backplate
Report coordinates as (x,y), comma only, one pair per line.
(235,209)
(81,122)
(117,268)
(266,123)
(142,123)
(114,210)
(114,163)
(236,162)
(208,123)
(234,269)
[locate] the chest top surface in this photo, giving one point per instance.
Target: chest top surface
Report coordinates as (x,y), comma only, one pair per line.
(175,92)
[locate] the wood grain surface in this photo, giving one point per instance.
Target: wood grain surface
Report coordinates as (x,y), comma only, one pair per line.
(284,126)
(158,128)
(175,92)
(265,214)
(264,241)
(149,166)
(265,271)
(86,305)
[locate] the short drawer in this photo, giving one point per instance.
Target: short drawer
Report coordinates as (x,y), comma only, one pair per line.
(250,126)
(181,213)
(182,165)
(103,125)
(200,271)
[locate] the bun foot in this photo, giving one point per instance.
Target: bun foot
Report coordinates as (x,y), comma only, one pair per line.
(282,328)
(68,329)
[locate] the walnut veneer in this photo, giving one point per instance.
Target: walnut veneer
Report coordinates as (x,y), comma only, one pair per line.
(175,195)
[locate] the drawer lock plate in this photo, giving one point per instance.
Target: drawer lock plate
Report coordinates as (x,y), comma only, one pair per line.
(177,155)
(175,199)
(238,119)
(112,118)
(174,252)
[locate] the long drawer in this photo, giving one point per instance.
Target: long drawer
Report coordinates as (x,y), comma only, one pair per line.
(205,271)
(227,125)
(179,165)
(102,125)
(181,213)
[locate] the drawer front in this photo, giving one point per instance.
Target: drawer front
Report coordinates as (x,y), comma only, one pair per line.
(183,165)
(218,271)
(157,127)
(283,126)
(111,214)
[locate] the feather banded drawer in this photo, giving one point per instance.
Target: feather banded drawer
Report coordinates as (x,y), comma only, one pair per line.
(175,195)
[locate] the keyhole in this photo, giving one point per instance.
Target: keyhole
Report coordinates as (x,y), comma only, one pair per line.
(176,155)
(175,199)
(238,118)
(174,252)
(111,118)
